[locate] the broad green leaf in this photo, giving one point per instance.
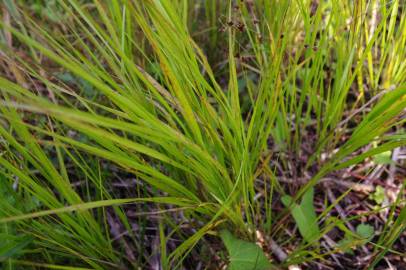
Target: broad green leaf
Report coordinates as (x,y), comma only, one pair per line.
(244,255)
(304,215)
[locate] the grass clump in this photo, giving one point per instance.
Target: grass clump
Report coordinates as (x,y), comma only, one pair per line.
(133,132)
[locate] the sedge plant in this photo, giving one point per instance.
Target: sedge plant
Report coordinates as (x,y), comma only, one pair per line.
(137,88)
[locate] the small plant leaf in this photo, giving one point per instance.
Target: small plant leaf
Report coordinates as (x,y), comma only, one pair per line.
(365,231)
(244,255)
(351,240)
(346,244)
(383,158)
(378,196)
(304,215)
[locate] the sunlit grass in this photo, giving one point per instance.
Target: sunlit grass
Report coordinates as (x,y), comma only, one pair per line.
(126,83)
